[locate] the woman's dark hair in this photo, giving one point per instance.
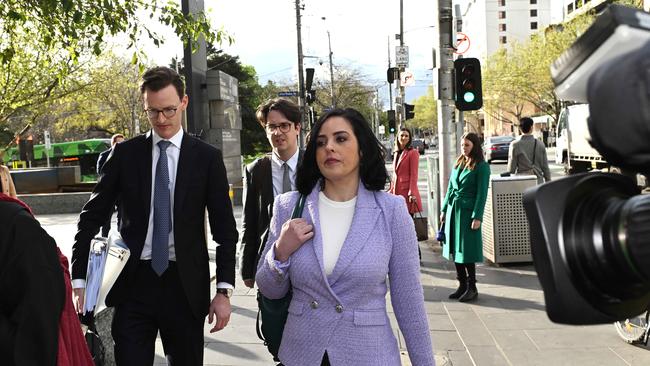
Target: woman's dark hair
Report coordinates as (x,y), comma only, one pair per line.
(475,156)
(372,170)
(408,144)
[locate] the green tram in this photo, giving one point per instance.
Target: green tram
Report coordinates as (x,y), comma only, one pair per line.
(82,153)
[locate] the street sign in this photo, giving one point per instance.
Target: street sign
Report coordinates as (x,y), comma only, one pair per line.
(382,129)
(288,94)
(407,78)
(462,43)
(402,55)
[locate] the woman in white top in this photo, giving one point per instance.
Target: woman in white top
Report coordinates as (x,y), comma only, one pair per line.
(337,258)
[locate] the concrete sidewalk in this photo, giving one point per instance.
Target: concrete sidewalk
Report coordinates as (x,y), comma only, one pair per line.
(507,325)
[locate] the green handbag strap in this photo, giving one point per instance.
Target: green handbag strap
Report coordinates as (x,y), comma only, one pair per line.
(300,205)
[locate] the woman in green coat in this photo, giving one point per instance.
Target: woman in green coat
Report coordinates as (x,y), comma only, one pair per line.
(462,213)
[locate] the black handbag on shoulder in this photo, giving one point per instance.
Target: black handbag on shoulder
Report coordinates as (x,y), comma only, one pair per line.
(272,313)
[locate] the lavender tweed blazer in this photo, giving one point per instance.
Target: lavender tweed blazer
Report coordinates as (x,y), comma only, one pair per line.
(345,313)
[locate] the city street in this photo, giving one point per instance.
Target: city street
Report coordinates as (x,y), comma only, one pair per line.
(507,325)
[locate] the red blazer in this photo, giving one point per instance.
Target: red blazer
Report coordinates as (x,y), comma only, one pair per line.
(405,178)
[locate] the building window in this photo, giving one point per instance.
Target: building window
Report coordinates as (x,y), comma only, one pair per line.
(533,12)
(502,39)
(533,2)
(533,25)
(502,27)
(502,2)
(502,15)
(569,8)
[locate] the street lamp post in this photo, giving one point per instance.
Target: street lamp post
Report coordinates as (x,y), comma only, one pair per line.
(329,42)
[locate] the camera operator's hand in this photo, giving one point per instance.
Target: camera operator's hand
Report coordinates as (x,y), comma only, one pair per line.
(476,224)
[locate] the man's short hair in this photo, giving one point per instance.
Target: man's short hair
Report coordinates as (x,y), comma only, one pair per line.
(115,137)
(526,124)
(288,108)
(159,77)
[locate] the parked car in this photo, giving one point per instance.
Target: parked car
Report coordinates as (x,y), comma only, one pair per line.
(419,144)
(497,147)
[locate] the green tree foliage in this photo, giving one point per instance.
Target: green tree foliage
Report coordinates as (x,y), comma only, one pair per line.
(426,112)
(521,74)
(351,90)
(78,26)
(29,81)
(108,103)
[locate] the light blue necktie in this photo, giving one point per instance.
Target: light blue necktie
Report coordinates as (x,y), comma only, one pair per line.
(162,220)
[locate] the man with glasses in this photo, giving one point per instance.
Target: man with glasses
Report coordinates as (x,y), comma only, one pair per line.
(268,177)
(165,181)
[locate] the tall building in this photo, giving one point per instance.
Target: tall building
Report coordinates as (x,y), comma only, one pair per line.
(491,24)
(573,8)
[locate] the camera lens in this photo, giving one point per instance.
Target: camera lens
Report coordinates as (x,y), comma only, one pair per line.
(604,233)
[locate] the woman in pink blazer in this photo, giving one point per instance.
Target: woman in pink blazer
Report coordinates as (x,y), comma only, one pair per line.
(352,239)
(405,172)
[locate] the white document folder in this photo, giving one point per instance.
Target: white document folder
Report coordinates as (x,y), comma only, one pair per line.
(106,260)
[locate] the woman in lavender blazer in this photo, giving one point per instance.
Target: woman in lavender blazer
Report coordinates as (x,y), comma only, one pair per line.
(352,240)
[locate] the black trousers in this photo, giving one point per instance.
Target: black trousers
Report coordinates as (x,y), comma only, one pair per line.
(157,304)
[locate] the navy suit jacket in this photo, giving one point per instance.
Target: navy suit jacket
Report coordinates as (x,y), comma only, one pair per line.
(200,183)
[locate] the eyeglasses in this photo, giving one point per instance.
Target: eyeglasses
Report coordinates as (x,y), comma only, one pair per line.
(169,112)
(284,127)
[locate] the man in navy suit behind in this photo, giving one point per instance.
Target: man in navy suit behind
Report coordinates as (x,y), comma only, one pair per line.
(165,181)
(115,139)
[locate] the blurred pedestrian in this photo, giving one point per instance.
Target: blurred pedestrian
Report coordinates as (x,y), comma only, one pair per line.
(38,324)
(337,259)
(6,182)
(266,178)
(115,139)
(527,155)
(404,182)
(462,213)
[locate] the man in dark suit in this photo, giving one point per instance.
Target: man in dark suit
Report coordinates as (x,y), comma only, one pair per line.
(268,177)
(165,180)
(115,139)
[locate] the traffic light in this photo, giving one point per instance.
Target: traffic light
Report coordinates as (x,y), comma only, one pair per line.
(391,121)
(409,111)
(469,92)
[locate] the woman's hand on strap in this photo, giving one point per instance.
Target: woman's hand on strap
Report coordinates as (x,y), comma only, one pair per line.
(294,233)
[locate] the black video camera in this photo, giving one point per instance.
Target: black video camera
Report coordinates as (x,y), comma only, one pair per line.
(590,233)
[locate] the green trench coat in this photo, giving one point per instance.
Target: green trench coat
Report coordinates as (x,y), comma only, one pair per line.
(465,201)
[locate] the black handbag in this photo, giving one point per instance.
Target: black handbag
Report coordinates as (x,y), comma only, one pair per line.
(421,226)
(272,313)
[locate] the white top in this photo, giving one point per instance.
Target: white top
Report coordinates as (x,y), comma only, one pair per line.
(277,172)
(173,152)
(335,221)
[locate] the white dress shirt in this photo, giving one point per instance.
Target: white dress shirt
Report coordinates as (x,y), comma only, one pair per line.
(335,220)
(277,172)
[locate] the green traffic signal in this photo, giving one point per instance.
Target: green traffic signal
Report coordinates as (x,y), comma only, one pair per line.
(468,92)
